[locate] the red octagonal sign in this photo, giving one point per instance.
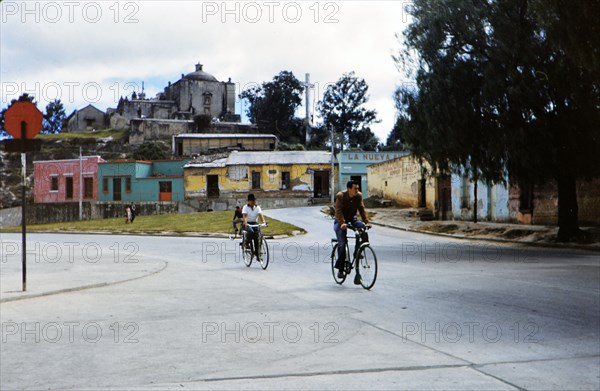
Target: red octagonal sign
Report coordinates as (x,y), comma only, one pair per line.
(23,112)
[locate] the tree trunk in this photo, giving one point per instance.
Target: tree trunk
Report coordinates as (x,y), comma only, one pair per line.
(475,180)
(568,222)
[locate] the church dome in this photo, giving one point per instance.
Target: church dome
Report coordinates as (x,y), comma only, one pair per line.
(200,75)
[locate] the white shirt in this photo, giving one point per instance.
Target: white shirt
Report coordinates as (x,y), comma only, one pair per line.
(251,214)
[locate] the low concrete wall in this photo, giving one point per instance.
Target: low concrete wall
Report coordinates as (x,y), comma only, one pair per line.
(217,204)
(10,216)
(110,209)
(69,211)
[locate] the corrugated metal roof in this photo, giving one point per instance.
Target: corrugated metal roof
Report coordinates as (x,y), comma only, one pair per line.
(273,157)
(223,135)
(279,157)
(214,164)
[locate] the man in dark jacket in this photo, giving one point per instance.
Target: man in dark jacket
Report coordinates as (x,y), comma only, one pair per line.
(347,203)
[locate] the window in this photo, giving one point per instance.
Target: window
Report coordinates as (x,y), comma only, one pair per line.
(165,187)
(88,187)
(54,183)
(128,184)
(256,179)
(165,191)
(285,180)
(105,185)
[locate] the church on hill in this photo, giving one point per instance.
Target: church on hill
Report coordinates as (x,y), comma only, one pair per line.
(196,103)
(197,93)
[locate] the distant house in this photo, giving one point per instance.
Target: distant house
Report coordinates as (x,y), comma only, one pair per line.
(87,119)
(353,166)
(59,180)
(400,180)
(277,178)
(201,143)
(141,181)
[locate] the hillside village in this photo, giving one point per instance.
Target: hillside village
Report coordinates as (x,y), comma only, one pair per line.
(214,163)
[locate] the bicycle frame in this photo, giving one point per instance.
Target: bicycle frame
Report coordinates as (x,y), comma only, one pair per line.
(358,244)
(262,252)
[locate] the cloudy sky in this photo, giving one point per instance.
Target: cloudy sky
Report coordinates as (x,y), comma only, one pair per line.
(96,51)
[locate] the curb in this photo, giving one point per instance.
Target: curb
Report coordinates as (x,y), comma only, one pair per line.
(504,241)
(165,234)
(84,287)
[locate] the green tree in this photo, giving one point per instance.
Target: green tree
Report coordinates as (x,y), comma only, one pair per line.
(54,117)
(498,93)
(273,104)
(342,109)
(150,151)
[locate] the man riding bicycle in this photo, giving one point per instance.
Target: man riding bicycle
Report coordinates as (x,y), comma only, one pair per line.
(250,214)
(347,203)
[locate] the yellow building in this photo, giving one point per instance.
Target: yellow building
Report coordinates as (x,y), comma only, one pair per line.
(277,178)
(400,180)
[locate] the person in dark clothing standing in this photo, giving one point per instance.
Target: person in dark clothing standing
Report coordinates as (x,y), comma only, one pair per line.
(347,203)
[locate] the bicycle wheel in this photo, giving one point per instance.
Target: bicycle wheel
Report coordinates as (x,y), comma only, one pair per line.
(367,267)
(263,254)
(334,258)
(246,254)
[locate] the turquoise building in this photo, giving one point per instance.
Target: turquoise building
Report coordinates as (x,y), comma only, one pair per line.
(141,181)
(353,166)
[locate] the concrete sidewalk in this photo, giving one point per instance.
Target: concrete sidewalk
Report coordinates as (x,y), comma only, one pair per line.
(59,264)
(533,235)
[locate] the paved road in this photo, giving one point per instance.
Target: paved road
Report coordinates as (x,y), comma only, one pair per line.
(444,314)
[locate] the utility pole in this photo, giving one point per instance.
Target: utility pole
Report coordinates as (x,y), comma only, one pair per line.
(307,116)
(80,185)
(332,176)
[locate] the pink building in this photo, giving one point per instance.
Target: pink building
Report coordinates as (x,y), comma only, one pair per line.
(58,180)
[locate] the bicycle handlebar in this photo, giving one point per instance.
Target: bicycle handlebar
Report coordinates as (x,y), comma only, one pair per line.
(258,225)
(349,225)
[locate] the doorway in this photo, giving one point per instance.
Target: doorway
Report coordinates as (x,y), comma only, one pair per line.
(212,186)
(116,189)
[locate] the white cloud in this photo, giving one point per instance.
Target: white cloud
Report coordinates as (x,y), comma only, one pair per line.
(89,54)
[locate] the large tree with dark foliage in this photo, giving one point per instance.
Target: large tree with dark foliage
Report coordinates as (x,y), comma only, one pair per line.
(342,109)
(501,92)
(273,104)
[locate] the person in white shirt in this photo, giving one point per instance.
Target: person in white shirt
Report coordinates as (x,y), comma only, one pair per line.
(250,213)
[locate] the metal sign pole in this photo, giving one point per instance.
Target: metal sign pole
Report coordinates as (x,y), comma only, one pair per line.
(23,206)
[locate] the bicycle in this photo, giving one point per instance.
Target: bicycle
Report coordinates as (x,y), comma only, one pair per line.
(263,248)
(364,259)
